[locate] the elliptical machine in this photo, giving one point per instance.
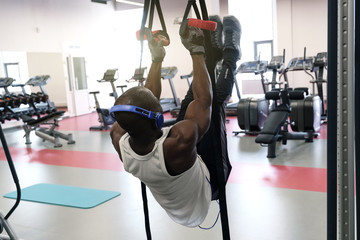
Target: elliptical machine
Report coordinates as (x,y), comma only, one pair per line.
(252,112)
(319,65)
(275,65)
(111,75)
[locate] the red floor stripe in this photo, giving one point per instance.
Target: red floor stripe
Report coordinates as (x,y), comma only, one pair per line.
(300,178)
(80,123)
(93,160)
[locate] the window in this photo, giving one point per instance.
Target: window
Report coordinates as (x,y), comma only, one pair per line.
(263,50)
(256,19)
(12,70)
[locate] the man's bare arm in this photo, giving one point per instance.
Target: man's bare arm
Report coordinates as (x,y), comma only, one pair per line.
(180,147)
(153,81)
(199,110)
(156,46)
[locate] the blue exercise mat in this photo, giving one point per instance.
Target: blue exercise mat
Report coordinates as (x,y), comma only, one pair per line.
(62,195)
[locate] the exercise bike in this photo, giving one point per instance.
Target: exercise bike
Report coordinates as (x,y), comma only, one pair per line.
(138,76)
(111,75)
(167,73)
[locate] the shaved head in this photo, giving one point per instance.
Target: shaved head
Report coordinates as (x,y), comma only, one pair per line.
(135,124)
(140,97)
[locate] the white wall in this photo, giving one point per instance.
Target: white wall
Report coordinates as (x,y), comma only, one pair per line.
(48,64)
(292,24)
(108,36)
(256,18)
(301,23)
(43,26)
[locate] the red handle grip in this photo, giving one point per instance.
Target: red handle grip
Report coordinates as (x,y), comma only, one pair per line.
(203,24)
(156,34)
(138,35)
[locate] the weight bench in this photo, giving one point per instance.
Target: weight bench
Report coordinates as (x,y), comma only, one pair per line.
(270,133)
(276,125)
(45,133)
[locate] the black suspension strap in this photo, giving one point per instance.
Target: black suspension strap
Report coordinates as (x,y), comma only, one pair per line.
(211,64)
(149,5)
(142,28)
(146,211)
(143,187)
(149,9)
(191,3)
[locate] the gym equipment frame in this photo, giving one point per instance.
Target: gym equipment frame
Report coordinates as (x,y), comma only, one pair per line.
(343,133)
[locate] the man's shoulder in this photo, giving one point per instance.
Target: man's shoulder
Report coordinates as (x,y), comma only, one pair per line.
(180,147)
(183,129)
(182,135)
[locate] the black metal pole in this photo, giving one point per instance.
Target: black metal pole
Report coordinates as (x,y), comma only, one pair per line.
(332,122)
(13,172)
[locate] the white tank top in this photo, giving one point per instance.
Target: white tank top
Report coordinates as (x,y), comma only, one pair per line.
(186,197)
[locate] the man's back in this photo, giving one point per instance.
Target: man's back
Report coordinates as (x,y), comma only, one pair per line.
(185,197)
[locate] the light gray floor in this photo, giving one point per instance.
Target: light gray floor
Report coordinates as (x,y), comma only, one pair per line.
(255,212)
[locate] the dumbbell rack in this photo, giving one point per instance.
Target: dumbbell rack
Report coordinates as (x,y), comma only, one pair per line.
(39,105)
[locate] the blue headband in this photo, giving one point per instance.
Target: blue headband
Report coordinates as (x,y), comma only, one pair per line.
(157,117)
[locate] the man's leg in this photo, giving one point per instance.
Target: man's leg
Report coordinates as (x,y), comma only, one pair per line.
(189,97)
(224,86)
(231,54)
(230,51)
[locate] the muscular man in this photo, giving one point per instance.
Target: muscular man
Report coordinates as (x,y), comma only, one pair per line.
(166,159)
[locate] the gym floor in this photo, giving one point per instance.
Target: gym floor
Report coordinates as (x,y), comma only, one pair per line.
(267,199)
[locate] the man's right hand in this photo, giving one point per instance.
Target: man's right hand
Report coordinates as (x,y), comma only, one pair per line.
(192,38)
(156,46)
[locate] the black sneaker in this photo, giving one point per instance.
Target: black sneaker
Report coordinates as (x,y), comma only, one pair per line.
(232,32)
(216,36)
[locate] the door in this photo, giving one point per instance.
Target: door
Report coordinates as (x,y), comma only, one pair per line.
(77,88)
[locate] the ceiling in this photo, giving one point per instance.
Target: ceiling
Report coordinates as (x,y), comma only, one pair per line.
(128,4)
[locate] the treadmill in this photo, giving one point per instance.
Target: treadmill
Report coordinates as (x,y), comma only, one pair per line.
(168,73)
(256,67)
